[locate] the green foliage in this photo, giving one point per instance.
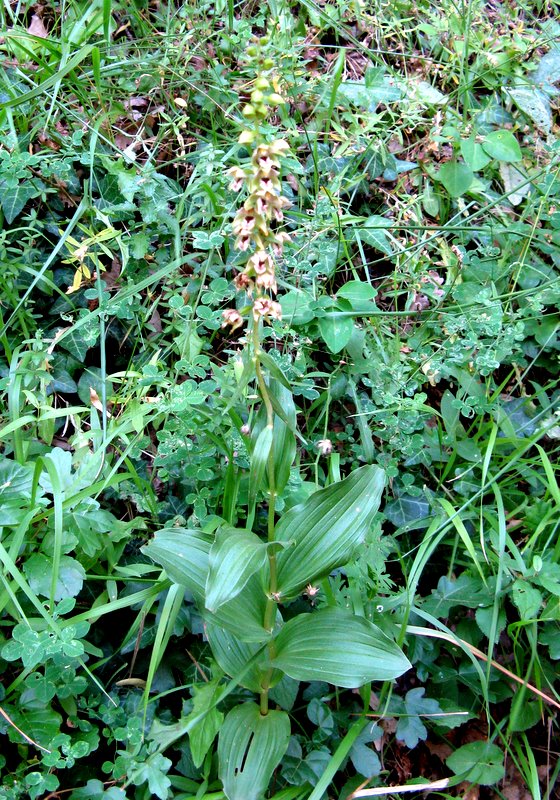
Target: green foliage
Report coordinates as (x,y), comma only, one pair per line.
(281,557)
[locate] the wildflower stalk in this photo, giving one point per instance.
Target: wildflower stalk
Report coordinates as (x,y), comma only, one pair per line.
(256,234)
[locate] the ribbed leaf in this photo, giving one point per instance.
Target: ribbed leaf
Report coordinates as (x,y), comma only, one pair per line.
(250,747)
(183,553)
(233,655)
(334,645)
(323,531)
(284,441)
(234,557)
(244,615)
(259,458)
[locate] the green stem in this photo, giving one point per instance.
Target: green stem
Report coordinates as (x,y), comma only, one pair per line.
(270,609)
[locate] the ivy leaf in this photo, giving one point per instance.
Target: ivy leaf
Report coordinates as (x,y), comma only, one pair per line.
(373,232)
(14,198)
(534,104)
(407,510)
(478,762)
(364,759)
(410,728)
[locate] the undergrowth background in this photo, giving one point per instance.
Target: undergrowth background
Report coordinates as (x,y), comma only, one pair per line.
(419,333)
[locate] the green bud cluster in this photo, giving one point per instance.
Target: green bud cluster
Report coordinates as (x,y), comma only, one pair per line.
(263,95)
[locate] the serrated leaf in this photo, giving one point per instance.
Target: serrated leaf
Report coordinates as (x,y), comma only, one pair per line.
(503,146)
(234,557)
(323,532)
(183,553)
(456,177)
(250,747)
(527,599)
(478,762)
(335,646)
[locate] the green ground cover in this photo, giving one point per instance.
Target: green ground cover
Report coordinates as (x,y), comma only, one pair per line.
(279,334)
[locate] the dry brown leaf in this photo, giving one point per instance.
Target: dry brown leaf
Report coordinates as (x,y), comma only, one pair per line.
(36,28)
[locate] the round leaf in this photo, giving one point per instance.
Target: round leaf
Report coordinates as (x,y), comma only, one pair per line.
(456,178)
(478,762)
(503,146)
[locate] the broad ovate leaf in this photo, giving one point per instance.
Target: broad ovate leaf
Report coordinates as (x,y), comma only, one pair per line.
(503,146)
(336,646)
(184,555)
(245,662)
(322,533)
(243,616)
(234,557)
(250,747)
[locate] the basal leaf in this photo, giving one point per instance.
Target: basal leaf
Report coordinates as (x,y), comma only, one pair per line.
(234,557)
(503,146)
(456,177)
(250,747)
(335,646)
(474,155)
(336,331)
(322,532)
